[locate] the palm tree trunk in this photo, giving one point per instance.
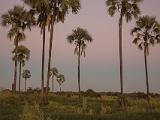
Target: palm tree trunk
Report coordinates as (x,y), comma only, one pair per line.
(15,68)
(52,83)
(121,58)
(60,88)
(25,83)
(146,71)
(42,74)
(20,66)
(79,86)
(49,60)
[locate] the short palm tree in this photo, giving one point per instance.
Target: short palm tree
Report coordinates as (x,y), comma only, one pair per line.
(147,33)
(17,20)
(41,8)
(23,55)
(127,9)
(79,37)
(26,75)
(60,80)
(53,72)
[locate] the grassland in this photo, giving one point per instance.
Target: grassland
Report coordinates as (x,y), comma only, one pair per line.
(69,106)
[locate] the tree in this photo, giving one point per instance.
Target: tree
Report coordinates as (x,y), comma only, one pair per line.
(26,75)
(53,72)
(146,33)
(79,37)
(58,11)
(41,8)
(17,20)
(127,9)
(60,80)
(23,55)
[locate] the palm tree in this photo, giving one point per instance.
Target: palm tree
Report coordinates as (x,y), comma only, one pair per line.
(41,8)
(58,11)
(60,80)
(127,9)
(53,72)
(17,20)
(23,55)
(26,74)
(79,37)
(147,33)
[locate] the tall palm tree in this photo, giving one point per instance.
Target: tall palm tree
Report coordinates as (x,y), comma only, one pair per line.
(53,72)
(60,80)
(79,37)
(127,9)
(147,33)
(23,55)
(41,8)
(26,74)
(58,11)
(17,20)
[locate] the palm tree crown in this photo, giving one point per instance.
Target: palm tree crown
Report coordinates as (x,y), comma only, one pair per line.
(127,8)
(23,54)
(53,72)
(60,79)
(79,37)
(17,19)
(26,74)
(147,32)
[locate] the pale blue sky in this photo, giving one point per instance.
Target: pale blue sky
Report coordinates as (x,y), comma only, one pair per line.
(100,68)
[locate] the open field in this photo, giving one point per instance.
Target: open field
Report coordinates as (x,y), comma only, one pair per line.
(68,106)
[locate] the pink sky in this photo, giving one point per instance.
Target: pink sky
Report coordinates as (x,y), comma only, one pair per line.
(100,68)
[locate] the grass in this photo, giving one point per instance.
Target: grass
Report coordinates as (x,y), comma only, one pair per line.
(68,106)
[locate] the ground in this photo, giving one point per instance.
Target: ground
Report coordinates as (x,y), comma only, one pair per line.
(70,106)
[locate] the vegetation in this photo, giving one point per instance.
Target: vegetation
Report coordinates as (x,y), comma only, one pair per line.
(26,75)
(53,72)
(60,80)
(23,55)
(79,37)
(17,20)
(68,106)
(59,9)
(127,9)
(147,33)
(81,105)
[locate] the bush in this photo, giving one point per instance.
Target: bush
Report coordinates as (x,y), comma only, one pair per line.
(90,93)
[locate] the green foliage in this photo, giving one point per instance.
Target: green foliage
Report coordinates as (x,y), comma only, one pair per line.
(90,93)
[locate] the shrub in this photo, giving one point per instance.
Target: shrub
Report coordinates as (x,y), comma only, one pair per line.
(90,93)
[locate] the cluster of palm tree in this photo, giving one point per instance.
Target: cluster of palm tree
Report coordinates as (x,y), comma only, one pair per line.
(42,13)
(47,13)
(59,77)
(23,55)
(146,32)
(18,20)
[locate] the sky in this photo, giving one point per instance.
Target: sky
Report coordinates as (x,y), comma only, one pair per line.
(100,67)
